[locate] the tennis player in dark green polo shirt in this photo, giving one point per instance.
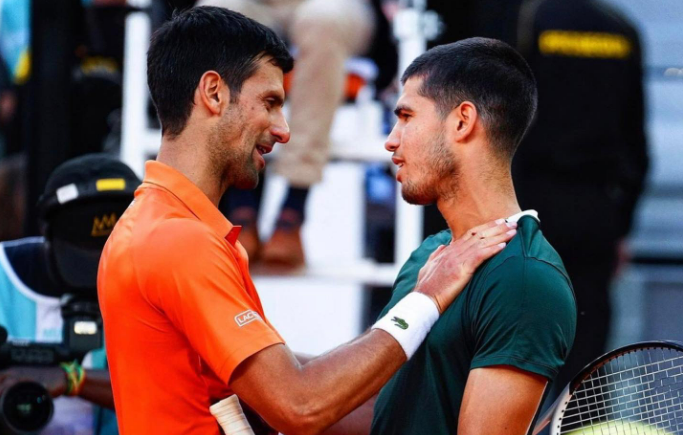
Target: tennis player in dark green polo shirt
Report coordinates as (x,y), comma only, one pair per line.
(486,363)
(518,311)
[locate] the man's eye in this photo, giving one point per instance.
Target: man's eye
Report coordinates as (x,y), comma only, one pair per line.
(273,102)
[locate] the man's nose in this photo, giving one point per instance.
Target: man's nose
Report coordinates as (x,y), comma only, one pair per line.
(393,141)
(280,130)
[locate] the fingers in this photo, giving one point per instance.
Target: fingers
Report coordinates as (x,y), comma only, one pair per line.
(499,234)
(498,229)
(475,260)
(476,231)
(486,242)
(489,229)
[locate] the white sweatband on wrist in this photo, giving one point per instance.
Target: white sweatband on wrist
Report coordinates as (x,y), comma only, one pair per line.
(229,414)
(409,321)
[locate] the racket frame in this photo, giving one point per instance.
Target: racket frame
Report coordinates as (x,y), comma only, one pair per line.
(555,413)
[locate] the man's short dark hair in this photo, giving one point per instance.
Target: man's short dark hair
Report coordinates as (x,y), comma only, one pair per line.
(490,74)
(203,39)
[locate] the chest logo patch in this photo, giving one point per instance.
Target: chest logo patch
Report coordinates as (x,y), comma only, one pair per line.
(400,322)
(246,317)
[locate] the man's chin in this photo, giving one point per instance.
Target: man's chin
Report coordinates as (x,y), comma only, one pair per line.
(416,198)
(248,183)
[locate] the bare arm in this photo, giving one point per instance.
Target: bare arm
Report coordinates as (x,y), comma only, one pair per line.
(307,399)
(97,388)
(357,422)
(500,400)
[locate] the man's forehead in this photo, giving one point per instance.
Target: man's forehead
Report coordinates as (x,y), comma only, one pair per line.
(410,94)
(266,77)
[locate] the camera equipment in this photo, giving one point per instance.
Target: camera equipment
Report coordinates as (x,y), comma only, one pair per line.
(25,407)
(83,200)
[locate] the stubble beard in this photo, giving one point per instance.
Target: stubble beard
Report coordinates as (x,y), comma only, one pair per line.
(440,181)
(233,162)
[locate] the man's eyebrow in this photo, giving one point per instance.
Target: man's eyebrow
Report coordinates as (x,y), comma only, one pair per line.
(400,109)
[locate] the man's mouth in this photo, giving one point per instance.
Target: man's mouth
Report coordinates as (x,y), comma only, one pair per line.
(263,149)
(398,162)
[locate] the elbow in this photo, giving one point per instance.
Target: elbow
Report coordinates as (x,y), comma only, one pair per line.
(303,419)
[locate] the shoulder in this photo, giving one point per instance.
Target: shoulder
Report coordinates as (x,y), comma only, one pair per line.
(179,247)
(528,289)
(407,276)
(179,239)
(429,245)
(528,271)
(419,257)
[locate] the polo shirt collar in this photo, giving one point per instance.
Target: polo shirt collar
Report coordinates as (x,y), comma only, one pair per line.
(192,197)
(518,216)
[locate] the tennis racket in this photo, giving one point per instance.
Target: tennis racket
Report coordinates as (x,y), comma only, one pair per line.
(230,416)
(634,390)
(236,418)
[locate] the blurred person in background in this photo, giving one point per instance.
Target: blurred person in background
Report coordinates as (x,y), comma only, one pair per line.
(97,30)
(12,196)
(324,34)
(83,200)
(14,40)
(63,60)
(584,160)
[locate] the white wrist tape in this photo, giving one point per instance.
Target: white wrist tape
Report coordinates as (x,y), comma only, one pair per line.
(409,321)
(230,416)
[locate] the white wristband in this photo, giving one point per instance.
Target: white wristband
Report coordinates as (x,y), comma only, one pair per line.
(229,414)
(409,321)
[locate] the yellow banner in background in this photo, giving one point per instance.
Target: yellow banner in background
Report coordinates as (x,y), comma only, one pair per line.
(584,44)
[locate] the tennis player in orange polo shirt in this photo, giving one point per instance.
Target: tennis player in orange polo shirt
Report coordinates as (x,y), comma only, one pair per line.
(183,322)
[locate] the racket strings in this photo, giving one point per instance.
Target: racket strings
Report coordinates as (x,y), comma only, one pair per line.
(644,366)
(626,403)
(644,416)
(640,392)
(644,383)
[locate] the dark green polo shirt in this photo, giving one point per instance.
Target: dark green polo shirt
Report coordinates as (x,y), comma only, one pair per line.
(517,310)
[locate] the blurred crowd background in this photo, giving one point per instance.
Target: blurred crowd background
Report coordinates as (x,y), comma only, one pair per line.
(602,162)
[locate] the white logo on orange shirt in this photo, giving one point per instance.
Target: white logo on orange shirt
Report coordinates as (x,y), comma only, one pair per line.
(247,317)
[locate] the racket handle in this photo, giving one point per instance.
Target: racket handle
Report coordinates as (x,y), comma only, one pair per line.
(230,416)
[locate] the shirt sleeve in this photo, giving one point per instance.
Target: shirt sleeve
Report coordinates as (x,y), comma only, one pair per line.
(194,278)
(525,317)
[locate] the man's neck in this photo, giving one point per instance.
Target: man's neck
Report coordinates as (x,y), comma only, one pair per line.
(191,160)
(478,199)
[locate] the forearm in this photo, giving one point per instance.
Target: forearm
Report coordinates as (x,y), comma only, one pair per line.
(349,376)
(309,398)
(97,388)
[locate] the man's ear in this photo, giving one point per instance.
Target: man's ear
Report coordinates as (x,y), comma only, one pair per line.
(213,94)
(462,121)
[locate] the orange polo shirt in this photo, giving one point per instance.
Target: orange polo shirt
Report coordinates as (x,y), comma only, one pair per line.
(180,309)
